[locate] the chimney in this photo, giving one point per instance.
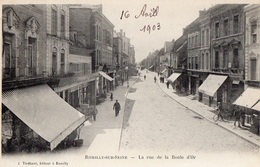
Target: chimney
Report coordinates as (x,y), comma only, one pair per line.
(202,12)
(121,33)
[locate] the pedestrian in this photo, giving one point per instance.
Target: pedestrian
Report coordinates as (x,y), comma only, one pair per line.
(111,96)
(117,108)
(93,112)
(154,79)
(167,83)
(144,77)
(219,110)
(237,114)
(243,118)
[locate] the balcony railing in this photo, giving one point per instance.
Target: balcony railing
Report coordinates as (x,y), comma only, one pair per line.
(229,70)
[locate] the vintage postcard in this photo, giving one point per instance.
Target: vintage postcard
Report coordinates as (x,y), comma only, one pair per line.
(130,83)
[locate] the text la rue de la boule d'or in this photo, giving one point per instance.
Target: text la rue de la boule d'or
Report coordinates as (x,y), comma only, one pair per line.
(100,157)
(153,12)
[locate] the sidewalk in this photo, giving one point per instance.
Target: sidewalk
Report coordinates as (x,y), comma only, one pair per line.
(103,136)
(205,112)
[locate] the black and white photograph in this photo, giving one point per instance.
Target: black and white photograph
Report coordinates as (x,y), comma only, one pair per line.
(140,83)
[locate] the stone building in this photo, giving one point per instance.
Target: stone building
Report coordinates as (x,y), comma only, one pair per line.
(35,49)
(194,42)
(249,100)
(95,32)
(227,54)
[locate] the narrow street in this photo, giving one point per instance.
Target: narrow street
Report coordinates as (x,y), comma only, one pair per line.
(159,124)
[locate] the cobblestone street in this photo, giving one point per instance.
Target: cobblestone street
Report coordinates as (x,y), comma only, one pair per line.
(159,124)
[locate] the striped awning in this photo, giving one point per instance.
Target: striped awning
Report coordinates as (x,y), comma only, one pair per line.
(249,98)
(212,84)
(105,76)
(40,108)
(173,77)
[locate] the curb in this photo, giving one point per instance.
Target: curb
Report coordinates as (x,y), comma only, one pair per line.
(124,111)
(223,127)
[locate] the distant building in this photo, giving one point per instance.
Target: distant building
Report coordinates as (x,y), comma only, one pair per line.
(95,32)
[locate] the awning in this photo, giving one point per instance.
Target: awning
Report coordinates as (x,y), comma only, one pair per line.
(249,98)
(40,108)
(256,106)
(163,70)
(105,76)
(212,84)
(173,77)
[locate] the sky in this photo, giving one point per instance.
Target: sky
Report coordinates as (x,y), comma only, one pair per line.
(170,19)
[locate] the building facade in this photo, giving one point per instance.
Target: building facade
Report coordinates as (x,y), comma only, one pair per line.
(95,32)
(35,54)
(227,50)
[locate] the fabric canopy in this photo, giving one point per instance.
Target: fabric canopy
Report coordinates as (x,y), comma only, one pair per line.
(164,70)
(105,76)
(249,98)
(173,77)
(212,84)
(40,108)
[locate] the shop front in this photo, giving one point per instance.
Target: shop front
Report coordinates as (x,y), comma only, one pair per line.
(212,89)
(37,118)
(249,102)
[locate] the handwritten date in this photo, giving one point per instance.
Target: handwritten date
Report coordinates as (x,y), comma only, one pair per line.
(149,28)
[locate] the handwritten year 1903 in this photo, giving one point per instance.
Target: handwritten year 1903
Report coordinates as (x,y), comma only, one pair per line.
(143,13)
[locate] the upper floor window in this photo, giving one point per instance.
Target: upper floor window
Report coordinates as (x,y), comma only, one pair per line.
(226,27)
(54,21)
(236,24)
(202,38)
(216,59)
(254,32)
(207,37)
(253,69)
(196,40)
(217,30)
(62,24)
(97,33)
(62,62)
(235,58)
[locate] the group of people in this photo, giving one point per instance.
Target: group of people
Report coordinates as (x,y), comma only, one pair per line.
(238,114)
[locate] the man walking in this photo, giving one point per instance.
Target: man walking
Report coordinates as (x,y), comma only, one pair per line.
(237,114)
(117,108)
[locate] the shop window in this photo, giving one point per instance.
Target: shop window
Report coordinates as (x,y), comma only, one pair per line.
(254,32)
